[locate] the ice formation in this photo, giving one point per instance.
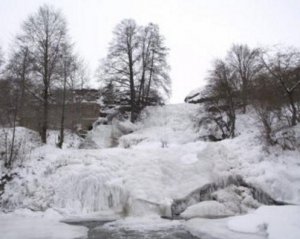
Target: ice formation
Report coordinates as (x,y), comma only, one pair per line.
(248,195)
(160,160)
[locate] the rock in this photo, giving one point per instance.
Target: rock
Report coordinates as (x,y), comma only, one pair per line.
(241,193)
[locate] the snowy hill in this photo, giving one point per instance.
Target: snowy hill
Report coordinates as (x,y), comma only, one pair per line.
(163,159)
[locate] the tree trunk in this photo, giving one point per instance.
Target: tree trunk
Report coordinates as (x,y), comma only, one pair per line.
(244,95)
(62,123)
(46,89)
(150,77)
(12,149)
(294,110)
(22,97)
(133,115)
(141,89)
(45,117)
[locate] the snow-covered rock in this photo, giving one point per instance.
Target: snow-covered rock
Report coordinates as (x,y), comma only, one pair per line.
(207,209)
(195,96)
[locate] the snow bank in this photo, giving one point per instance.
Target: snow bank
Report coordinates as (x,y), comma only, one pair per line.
(71,140)
(26,224)
(276,222)
(217,228)
(26,137)
(25,141)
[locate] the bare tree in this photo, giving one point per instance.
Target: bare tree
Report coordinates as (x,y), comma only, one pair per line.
(284,67)
(122,59)
(9,103)
(146,38)
(267,103)
(43,35)
(1,60)
(245,62)
(154,67)
(18,71)
(268,80)
(65,64)
(223,93)
(136,65)
(68,68)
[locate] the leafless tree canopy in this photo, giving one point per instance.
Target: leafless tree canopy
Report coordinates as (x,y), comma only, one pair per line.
(42,71)
(44,34)
(269,80)
(136,64)
(244,62)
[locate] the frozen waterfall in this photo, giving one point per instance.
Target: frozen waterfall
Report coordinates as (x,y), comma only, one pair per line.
(90,192)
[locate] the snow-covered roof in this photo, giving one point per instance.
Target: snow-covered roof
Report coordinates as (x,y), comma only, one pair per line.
(196,96)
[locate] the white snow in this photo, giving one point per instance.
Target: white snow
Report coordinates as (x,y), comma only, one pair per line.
(37,225)
(71,140)
(160,161)
(101,136)
(272,222)
(206,209)
(107,135)
(277,222)
(195,94)
(217,229)
(165,126)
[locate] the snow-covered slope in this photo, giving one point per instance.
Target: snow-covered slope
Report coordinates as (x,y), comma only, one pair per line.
(165,126)
(160,161)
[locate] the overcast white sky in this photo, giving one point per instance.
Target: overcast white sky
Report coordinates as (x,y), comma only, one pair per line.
(196,31)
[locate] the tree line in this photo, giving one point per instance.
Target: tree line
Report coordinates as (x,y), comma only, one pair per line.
(43,69)
(267,79)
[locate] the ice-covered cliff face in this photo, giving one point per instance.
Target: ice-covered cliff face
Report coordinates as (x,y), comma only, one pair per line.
(161,160)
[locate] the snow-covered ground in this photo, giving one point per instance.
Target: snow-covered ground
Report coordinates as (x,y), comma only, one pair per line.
(274,222)
(160,161)
(26,224)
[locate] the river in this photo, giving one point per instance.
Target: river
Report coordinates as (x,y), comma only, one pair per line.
(108,230)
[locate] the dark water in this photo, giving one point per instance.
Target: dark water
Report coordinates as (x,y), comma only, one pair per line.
(98,230)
